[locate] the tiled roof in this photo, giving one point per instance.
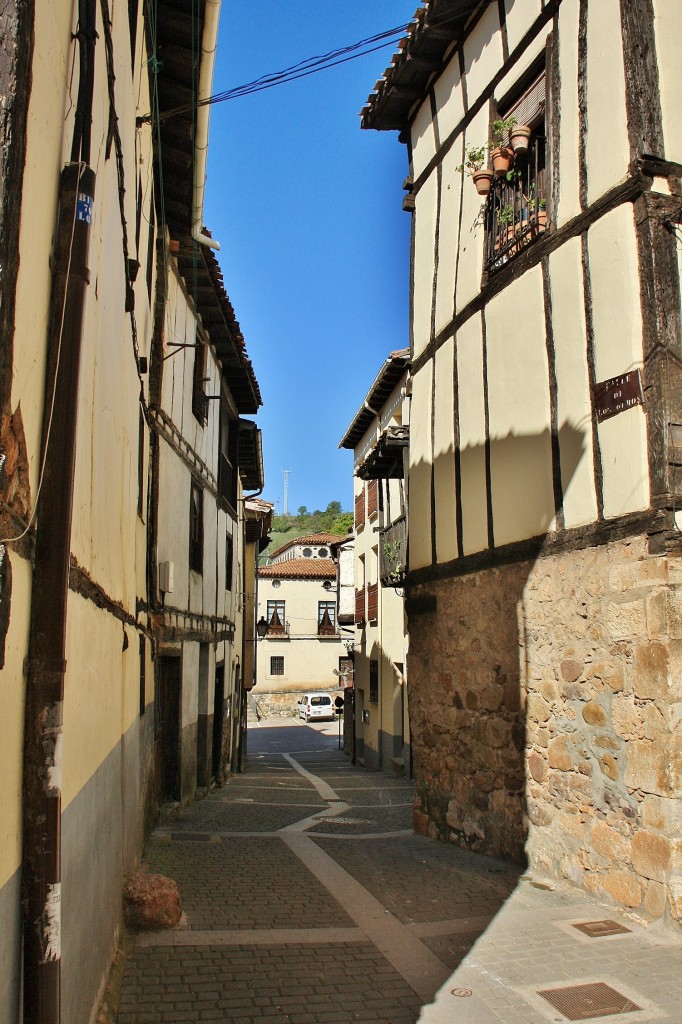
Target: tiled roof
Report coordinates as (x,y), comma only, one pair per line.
(386,380)
(313,538)
(300,568)
(427,39)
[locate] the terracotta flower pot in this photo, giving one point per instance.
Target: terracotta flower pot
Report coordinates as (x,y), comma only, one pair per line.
(482,180)
(502,157)
(520,138)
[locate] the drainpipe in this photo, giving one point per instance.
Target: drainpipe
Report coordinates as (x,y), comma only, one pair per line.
(209,42)
(45,665)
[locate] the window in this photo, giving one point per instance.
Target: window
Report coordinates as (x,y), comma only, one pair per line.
(196,528)
(307,552)
(372,499)
(229,560)
(276,617)
(323,553)
(360,508)
(277,665)
(326,618)
(228,456)
(374,682)
(199,402)
(516,207)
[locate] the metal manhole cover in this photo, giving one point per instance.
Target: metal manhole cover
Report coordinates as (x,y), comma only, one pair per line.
(585,1002)
(599,929)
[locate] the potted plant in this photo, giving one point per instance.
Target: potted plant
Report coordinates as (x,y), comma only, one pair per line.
(474,158)
(519,136)
(502,155)
(539,207)
(505,221)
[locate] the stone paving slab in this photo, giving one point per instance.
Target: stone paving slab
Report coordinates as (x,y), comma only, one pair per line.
(244,883)
(422,880)
(288,984)
(268,940)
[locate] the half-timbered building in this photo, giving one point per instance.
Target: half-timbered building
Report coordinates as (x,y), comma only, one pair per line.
(543,590)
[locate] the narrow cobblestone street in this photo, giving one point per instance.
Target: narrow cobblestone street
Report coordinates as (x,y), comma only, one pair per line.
(307,899)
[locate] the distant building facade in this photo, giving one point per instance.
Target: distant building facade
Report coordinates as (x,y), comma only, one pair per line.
(378,436)
(303,649)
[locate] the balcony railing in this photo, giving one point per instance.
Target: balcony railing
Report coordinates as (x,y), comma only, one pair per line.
(393,553)
(516,208)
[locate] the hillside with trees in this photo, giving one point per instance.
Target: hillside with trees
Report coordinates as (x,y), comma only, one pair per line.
(288,527)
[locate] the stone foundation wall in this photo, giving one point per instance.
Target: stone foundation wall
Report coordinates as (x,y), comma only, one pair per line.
(546,710)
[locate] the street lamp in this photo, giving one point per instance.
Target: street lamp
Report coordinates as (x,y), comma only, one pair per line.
(261,627)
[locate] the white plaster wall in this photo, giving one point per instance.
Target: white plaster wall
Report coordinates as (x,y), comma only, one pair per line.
(444,454)
(471,235)
(608,148)
(424,249)
(574,406)
(567,203)
(472,435)
(173,536)
(668,30)
(618,348)
(519,412)
(419,500)
(449,98)
(520,15)
(423,138)
(483,56)
(93,693)
(534,49)
(447,241)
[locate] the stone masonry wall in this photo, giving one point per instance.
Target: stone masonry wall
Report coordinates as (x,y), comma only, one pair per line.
(546,710)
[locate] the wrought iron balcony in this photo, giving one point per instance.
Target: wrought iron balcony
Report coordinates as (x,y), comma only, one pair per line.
(516,208)
(393,553)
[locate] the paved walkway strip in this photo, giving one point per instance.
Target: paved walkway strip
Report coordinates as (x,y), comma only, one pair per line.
(416,964)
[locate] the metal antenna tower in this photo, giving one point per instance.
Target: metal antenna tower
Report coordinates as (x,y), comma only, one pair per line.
(286,491)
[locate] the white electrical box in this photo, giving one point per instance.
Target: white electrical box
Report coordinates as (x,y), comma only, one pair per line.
(166,574)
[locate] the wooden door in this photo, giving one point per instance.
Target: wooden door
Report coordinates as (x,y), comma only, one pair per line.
(167,729)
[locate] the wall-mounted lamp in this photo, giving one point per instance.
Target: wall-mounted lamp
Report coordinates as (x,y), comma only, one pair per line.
(261,627)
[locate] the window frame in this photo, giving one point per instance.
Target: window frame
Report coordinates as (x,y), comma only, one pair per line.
(279,658)
(196,527)
(272,606)
(330,608)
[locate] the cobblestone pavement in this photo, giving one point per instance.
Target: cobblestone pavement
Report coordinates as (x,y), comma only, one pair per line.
(307,899)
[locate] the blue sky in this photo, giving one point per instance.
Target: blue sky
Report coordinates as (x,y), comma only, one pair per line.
(314,242)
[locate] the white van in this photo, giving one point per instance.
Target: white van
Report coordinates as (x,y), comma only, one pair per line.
(315,705)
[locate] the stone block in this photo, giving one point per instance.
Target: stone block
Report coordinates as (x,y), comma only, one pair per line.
(654,899)
(559,755)
(609,766)
(537,767)
(662,814)
(645,572)
(626,718)
(594,714)
(675,897)
(538,710)
(420,822)
(626,620)
(652,768)
(571,670)
(624,887)
(675,613)
(651,672)
(651,855)
(657,615)
(608,842)
(151,902)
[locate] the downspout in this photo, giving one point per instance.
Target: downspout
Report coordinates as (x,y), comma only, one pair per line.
(209,42)
(46,665)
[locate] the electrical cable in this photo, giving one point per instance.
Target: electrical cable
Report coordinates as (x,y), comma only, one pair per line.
(11,540)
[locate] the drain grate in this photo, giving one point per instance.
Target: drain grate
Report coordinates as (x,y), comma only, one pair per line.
(585,1002)
(335,800)
(599,929)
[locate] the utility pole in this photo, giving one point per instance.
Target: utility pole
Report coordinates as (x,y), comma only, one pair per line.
(286,491)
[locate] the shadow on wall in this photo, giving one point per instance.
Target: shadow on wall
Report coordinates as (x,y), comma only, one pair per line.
(467,665)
